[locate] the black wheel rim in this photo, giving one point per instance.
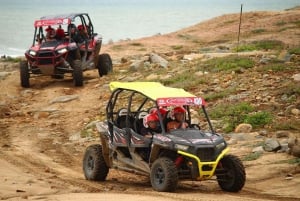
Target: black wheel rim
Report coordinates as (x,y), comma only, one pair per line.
(159,176)
(90,163)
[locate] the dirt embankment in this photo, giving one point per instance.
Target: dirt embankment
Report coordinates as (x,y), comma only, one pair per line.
(41,145)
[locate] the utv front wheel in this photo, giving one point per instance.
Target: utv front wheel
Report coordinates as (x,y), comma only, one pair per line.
(94,166)
(163,175)
(77,74)
(104,64)
(24,74)
(231,174)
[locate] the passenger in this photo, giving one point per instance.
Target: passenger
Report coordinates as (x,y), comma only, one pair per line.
(151,125)
(162,111)
(83,32)
(60,33)
(178,116)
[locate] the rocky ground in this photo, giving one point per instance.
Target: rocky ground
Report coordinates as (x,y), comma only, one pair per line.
(45,129)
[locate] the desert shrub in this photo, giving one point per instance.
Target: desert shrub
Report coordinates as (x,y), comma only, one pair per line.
(176,47)
(252,156)
(245,48)
(11,59)
(287,125)
(289,89)
(260,45)
(231,115)
(258,119)
(257,31)
(268,44)
(219,95)
(297,23)
(185,80)
(294,161)
(273,67)
(231,63)
(295,50)
(280,23)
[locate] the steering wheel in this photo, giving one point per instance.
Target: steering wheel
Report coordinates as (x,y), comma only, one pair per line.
(196,126)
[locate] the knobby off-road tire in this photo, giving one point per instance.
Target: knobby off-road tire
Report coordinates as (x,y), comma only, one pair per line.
(164,175)
(231,175)
(77,74)
(94,166)
(104,64)
(24,74)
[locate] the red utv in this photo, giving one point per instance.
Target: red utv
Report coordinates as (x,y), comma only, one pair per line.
(64,44)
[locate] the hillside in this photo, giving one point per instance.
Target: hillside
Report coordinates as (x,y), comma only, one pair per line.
(43,137)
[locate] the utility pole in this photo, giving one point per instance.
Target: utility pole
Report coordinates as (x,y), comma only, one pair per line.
(240,27)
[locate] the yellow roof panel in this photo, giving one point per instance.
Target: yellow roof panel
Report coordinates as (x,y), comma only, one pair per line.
(153,90)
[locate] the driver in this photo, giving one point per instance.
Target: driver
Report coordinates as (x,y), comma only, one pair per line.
(178,116)
(50,33)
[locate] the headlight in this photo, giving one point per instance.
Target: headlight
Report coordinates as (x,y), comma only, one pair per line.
(62,51)
(221,145)
(32,53)
(181,147)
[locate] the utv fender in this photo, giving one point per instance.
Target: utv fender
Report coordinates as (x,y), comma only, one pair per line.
(160,151)
(102,128)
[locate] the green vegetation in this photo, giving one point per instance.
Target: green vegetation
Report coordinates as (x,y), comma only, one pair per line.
(269,44)
(117,47)
(176,47)
(258,119)
(297,23)
(290,161)
(219,95)
(273,67)
(252,156)
(295,50)
(294,161)
(11,59)
(287,125)
(85,133)
(232,115)
(186,80)
(243,112)
(231,63)
(280,23)
(257,31)
(261,45)
(290,88)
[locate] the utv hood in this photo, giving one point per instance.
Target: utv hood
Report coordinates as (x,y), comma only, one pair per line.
(191,137)
(49,45)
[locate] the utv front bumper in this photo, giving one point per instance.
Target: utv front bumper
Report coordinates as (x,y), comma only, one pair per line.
(206,169)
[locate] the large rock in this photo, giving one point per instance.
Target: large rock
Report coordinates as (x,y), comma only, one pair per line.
(294,145)
(243,128)
(156,59)
(271,144)
(296,77)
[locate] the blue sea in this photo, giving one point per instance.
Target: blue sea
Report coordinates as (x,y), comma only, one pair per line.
(119,19)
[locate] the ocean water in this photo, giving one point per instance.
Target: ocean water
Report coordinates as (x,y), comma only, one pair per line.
(119,19)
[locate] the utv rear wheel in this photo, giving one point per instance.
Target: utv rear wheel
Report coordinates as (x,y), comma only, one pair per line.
(94,166)
(104,64)
(163,175)
(77,74)
(24,74)
(231,174)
